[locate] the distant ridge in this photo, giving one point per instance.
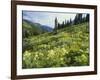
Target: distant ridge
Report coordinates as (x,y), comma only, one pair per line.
(38,25)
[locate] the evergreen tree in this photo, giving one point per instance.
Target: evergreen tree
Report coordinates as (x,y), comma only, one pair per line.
(59,26)
(76,19)
(63,24)
(56,25)
(79,18)
(70,23)
(87,17)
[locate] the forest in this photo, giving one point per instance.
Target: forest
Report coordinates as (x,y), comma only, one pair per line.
(64,46)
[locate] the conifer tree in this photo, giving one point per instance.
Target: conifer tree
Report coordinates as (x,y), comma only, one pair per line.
(87,17)
(56,25)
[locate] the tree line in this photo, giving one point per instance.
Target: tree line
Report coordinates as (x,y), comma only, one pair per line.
(79,18)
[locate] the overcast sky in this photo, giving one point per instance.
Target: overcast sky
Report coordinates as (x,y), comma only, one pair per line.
(47,18)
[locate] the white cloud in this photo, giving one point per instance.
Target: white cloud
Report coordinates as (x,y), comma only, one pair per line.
(47,18)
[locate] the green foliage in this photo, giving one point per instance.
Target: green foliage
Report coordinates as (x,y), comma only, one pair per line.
(31,29)
(69,47)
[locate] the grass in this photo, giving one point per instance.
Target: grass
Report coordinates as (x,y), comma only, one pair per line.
(69,47)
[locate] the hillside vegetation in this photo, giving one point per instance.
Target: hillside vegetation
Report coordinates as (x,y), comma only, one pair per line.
(68,47)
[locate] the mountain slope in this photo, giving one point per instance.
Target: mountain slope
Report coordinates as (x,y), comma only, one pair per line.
(31,28)
(69,47)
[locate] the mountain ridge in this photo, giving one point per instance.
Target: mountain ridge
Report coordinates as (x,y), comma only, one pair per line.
(43,27)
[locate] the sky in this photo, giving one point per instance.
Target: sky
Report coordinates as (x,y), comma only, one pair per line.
(47,18)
